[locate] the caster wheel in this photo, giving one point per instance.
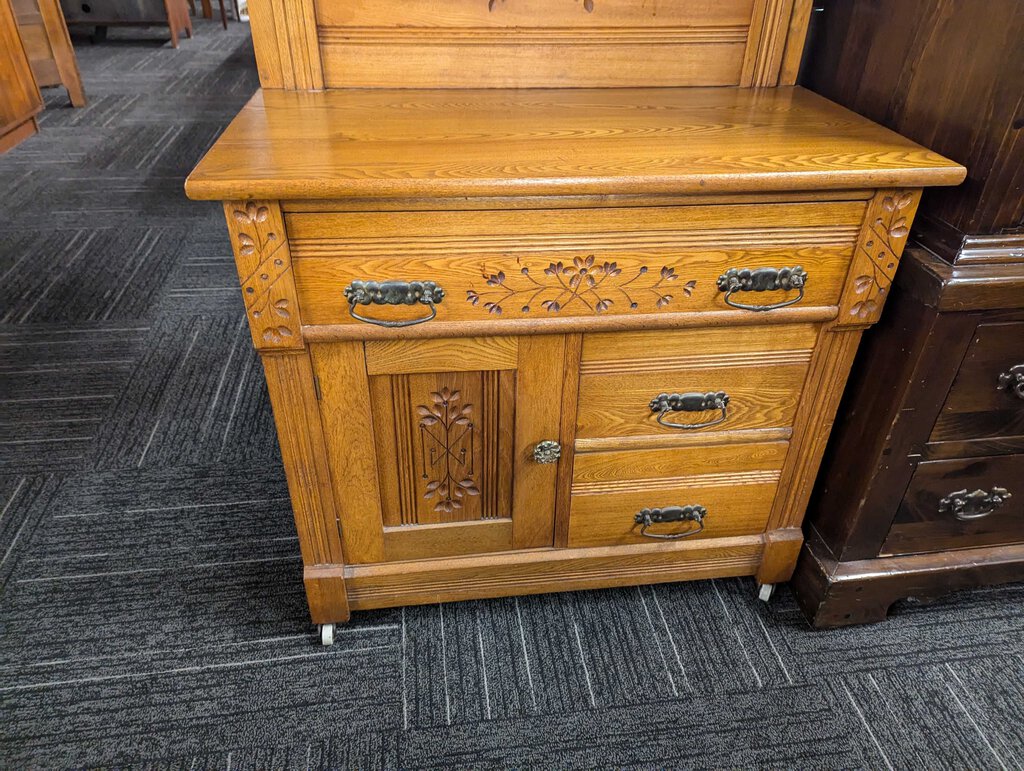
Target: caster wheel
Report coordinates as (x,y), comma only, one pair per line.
(765,592)
(327,634)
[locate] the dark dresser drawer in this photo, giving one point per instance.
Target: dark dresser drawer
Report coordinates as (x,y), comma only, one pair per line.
(983,402)
(943,509)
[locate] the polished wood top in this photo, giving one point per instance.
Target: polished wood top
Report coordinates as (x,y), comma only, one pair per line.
(429,143)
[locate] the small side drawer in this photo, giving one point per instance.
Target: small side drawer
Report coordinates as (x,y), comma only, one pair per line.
(986,401)
(734,484)
(957,504)
(647,384)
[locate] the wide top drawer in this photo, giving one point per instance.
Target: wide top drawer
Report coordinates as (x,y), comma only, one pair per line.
(426,267)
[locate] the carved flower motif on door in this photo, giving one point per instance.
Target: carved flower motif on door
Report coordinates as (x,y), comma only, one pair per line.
(446,442)
(598,286)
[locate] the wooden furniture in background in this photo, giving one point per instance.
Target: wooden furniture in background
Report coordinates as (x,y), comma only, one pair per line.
(921,493)
(541,339)
(48,46)
(102,14)
(20,100)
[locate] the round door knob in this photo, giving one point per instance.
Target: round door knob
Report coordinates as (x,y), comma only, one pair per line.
(548,451)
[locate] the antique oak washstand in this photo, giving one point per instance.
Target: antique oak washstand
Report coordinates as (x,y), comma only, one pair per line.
(551,295)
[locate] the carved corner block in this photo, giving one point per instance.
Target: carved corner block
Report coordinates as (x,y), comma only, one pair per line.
(877,255)
(265,272)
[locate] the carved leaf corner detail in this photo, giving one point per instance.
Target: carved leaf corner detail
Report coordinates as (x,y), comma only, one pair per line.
(446,438)
(595,285)
(888,232)
(253,217)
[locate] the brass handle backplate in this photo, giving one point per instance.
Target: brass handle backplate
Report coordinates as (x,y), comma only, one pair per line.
(1012,381)
(393,293)
(692,513)
(662,404)
(548,451)
(762,280)
(966,506)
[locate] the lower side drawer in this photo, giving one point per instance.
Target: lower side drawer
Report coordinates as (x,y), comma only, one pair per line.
(734,484)
(959,504)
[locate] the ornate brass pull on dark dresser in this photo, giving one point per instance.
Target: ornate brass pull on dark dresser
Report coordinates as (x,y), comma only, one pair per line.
(466,300)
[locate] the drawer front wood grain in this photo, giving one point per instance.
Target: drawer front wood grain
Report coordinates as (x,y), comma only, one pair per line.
(930,517)
(761,369)
(564,263)
(736,484)
(983,402)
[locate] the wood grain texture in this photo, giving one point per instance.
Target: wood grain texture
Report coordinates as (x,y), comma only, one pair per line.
(48,45)
(976,408)
(922,526)
(819,400)
(285,38)
(769,29)
(346,415)
(781,552)
(431,355)
(736,483)
(326,597)
(555,325)
(538,404)
(620,377)
(304,452)
(877,256)
(532,43)
(567,437)
(20,100)
(544,570)
(437,143)
(895,62)
(265,271)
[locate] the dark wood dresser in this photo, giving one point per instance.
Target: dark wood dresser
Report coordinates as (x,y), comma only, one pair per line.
(921,491)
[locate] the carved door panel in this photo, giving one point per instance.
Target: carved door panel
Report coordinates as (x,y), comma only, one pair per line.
(431,443)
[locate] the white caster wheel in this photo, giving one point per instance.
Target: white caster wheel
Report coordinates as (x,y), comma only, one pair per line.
(765,592)
(327,634)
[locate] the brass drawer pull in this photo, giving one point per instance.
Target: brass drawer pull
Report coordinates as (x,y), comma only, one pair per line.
(1012,381)
(393,293)
(694,513)
(966,506)
(762,280)
(662,404)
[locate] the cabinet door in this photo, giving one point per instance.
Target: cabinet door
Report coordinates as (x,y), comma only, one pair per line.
(431,443)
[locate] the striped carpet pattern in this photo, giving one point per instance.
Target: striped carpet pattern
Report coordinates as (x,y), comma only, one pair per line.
(151,605)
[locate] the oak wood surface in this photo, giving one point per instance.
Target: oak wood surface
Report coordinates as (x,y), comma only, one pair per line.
(20,100)
(736,483)
(762,374)
(311,44)
(543,570)
(439,143)
(48,46)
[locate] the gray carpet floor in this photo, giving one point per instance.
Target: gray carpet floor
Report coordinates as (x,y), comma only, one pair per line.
(152,612)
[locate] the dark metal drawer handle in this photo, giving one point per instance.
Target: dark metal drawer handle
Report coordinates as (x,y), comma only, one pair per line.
(694,513)
(662,404)
(966,506)
(1012,381)
(393,293)
(762,280)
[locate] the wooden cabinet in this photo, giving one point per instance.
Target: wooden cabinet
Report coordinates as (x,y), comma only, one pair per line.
(920,493)
(524,340)
(20,100)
